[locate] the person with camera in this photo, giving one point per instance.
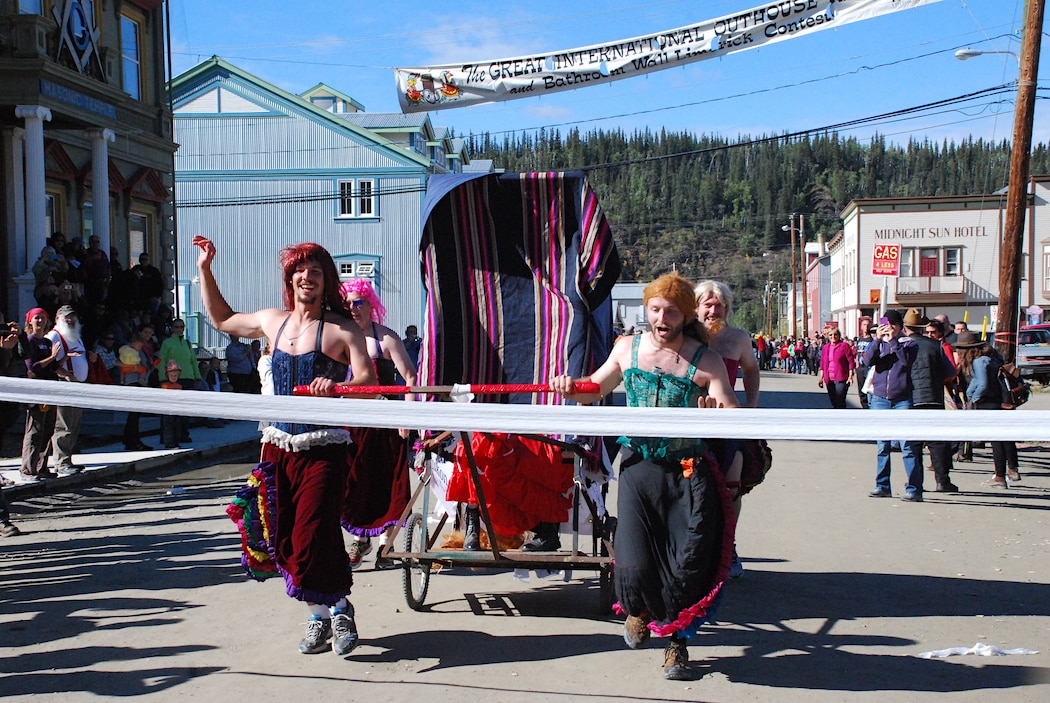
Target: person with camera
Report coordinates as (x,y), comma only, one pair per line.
(890,359)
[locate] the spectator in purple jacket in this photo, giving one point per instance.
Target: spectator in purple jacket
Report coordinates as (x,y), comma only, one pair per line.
(890,359)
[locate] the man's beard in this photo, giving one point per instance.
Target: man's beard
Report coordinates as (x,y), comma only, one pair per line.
(715,325)
(70,333)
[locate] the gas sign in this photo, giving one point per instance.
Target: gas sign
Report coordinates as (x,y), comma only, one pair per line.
(886,260)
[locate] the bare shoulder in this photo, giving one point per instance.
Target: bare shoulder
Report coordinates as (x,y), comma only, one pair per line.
(342,325)
(622,347)
(736,341)
(385,333)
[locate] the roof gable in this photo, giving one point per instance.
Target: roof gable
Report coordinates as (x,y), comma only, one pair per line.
(215,74)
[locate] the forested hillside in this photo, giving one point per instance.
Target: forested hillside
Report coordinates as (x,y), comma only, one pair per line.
(715,208)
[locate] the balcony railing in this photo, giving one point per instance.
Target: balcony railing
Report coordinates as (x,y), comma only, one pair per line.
(930,285)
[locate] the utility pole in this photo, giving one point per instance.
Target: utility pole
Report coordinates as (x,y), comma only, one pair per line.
(802,274)
(1017,193)
(793,308)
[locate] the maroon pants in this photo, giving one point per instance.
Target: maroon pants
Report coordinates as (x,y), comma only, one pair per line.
(308,541)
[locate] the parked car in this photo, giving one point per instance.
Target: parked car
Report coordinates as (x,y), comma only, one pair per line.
(1033,353)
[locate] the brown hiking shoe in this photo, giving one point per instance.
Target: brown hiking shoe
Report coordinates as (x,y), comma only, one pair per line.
(635,631)
(676,662)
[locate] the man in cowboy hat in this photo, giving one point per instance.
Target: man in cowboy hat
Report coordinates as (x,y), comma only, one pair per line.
(930,371)
(890,359)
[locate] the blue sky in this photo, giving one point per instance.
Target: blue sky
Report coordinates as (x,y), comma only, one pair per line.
(863,69)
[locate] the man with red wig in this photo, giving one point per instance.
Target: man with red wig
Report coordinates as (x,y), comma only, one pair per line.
(303,467)
(674,533)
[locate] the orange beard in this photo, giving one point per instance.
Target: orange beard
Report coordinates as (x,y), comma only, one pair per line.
(715,326)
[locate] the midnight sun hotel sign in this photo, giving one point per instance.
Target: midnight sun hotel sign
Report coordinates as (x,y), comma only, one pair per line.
(470,83)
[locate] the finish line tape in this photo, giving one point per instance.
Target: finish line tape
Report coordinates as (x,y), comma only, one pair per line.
(742,423)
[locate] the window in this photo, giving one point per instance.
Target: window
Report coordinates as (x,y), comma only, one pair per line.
(357,198)
(30,7)
(907,267)
(346,198)
(953,262)
(358,266)
(325,102)
(130,55)
(52,210)
(365,199)
(138,237)
(89,221)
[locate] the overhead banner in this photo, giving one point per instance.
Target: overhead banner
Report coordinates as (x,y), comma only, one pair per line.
(463,84)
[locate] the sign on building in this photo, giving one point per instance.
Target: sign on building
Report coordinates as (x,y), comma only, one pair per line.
(886,260)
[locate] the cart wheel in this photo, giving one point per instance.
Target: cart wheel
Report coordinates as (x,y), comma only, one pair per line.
(416,575)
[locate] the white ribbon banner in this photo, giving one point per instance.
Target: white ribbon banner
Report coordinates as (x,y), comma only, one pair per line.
(463,84)
(742,423)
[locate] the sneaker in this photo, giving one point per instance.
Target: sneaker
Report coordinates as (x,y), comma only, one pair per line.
(358,550)
(344,633)
(318,631)
(10,530)
(676,662)
(736,569)
(383,563)
(1013,475)
(995,482)
(71,470)
(881,493)
(635,631)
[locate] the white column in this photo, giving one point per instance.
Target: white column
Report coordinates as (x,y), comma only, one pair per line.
(36,207)
(15,201)
(100,139)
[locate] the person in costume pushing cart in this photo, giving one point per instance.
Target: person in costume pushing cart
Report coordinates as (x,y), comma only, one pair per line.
(675,527)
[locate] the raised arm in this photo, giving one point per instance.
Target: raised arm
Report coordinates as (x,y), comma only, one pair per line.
(225,319)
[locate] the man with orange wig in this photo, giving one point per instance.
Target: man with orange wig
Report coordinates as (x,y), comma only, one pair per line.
(674,532)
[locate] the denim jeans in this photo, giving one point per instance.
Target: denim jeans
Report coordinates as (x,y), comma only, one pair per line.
(837,391)
(912,465)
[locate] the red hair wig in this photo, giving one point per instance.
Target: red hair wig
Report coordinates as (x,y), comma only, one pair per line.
(294,255)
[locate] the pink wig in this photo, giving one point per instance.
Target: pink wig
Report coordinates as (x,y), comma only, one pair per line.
(292,256)
(363,288)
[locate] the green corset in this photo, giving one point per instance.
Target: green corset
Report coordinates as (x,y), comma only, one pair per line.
(649,389)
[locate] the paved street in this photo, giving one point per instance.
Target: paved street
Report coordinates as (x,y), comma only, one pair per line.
(129,586)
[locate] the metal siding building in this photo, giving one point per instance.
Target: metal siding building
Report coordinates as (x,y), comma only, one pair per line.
(259,168)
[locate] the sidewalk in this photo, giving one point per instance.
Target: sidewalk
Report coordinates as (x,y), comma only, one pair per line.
(112,460)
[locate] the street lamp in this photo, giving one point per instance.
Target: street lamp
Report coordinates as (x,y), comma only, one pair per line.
(801,271)
(1017,191)
(967,53)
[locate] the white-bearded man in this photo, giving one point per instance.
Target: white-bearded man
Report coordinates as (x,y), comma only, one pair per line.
(71,364)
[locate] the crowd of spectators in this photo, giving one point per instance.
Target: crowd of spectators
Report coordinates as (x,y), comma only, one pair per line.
(130,335)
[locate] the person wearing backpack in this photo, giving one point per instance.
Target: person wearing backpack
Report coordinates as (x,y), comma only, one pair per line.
(931,369)
(981,363)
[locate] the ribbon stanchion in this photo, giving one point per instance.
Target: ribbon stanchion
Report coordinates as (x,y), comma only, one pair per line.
(476,388)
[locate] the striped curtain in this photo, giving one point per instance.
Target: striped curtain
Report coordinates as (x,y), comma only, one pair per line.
(518,270)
